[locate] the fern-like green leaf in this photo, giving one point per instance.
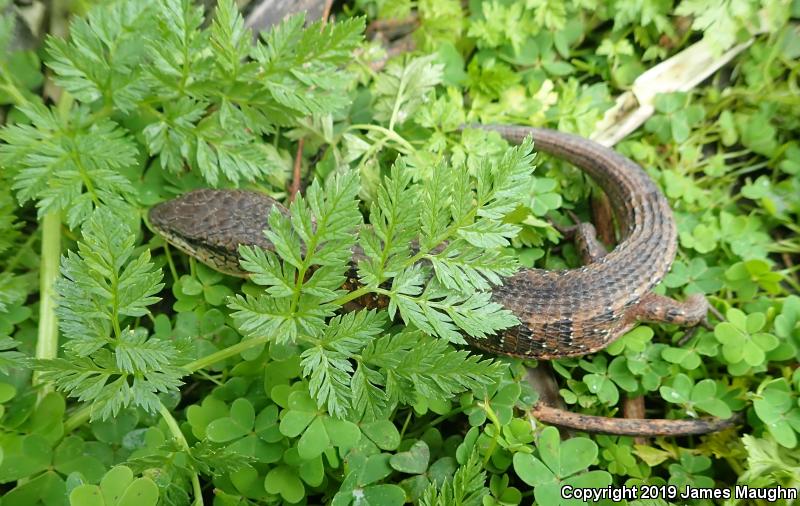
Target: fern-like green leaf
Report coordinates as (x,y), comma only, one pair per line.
(70,165)
(465,488)
(106,363)
(315,244)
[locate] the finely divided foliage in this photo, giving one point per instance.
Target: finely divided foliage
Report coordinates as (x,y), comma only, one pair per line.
(202,99)
(313,250)
(108,362)
(295,396)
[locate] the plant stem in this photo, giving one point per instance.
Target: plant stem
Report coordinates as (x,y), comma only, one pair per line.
(47,340)
(175,430)
(228,352)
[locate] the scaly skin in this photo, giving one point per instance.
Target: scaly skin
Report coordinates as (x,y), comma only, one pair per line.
(563,313)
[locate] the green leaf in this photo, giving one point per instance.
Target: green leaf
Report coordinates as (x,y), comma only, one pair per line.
(283,480)
(301,308)
(102,59)
(46,489)
(466,486)
(23,456)
(108,364)
(117,488)
(238,424)
(403,87)
(68,168)
(383,433)
(413,461)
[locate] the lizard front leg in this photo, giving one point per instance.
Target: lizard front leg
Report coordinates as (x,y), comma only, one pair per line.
(584,235)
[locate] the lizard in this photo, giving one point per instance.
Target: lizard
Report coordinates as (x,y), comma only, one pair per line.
(563,313)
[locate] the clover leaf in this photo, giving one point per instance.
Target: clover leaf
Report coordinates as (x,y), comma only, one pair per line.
(777,406)
(415,461)
(688,356)
(603,381)
(695,276)
(701,396)
(319,431)
(742,339)
(748,276)
(117,488)
(690,471)
(360,486)
(247,434)
(559,463)
(204,288)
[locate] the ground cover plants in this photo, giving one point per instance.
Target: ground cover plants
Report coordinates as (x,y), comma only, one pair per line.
(132,374)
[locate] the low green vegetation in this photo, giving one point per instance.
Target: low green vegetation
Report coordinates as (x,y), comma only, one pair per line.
(132,374)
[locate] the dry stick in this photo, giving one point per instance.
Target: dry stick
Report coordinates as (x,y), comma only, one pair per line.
(393,26)
(326,11)
(716,313)
(298,158)
(603,219)
(648,427)
(400,46)
(542,379)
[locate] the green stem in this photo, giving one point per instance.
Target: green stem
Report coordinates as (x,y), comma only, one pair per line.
(391,134)
(405,424)
(47,341)
(171,263)
(490,414)
(341,301)
(175,430)
(10,88)
(228,352)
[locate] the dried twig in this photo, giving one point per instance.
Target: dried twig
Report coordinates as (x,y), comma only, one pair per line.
(298,157)
(298,161)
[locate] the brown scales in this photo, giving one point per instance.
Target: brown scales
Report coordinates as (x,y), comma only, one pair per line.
(563,313)
(579,311)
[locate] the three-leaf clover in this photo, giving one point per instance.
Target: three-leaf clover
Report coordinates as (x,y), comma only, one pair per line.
(691,396)
(205,287)
(777,407)
(319,431)
(689,471)
(416,461)
(360,485)
(695,276)
(675,119)
(742,338)
(603,381)
(117,488)
(255,436)
(559,463)
(688,356)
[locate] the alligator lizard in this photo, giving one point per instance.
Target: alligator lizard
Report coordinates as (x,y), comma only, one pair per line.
(563,313)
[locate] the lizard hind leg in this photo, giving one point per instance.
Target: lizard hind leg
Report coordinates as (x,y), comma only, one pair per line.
(660,309)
